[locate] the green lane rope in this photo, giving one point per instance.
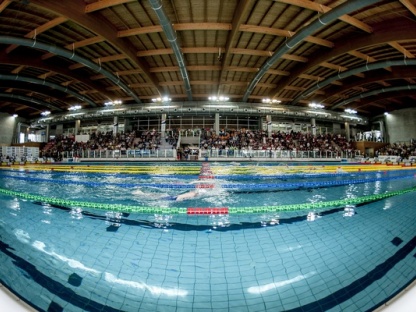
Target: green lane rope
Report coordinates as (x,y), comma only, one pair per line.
(231,210)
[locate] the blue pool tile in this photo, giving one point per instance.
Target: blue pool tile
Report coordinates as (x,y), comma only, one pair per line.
(75,280)
(54,307)
(396,241)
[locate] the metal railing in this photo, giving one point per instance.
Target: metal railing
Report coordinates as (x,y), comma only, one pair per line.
(121,154)
(170,154)
(274,154)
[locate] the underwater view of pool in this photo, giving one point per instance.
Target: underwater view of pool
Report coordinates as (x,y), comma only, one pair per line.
(207,236)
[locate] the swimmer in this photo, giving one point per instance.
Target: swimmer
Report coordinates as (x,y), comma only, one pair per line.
(187,195)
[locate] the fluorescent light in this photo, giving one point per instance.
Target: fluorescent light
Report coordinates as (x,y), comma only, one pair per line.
(75,114)
(351,117)
(110,103)
(161,106)
(271,108)
(271,101)
(314,105)
(350,111)
(162,99)
(45,113)
(111,110)
(75,107)
(219,98)
(15,115)
(316,112)
(221,106)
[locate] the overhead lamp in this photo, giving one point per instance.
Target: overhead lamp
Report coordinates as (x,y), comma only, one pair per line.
(15,115)
(270,101)
(220,98)
(112,103)
(111,110)
(350,117)
(386,113)
(164,99)
(75,107)
(320,113)
(315,105)
(45,113)
(350,111)
(166,106)
(75,114)
(220,106)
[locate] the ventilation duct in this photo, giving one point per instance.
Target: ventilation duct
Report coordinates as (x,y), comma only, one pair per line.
(374,92)
(172,38)
(48,84)
(354,71)
(325,19)
(29,99)
(70,55)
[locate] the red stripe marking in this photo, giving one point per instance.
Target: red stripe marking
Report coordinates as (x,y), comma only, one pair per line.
(204,186)
(207,211)
(206,177)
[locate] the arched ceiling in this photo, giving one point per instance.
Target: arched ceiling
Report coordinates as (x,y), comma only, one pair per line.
(357,54)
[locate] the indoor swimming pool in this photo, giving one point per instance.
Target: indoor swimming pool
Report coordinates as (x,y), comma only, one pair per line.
(207,236)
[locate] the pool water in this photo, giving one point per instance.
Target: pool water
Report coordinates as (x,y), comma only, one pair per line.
(77,258)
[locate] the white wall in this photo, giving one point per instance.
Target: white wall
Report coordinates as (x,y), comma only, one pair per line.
(7,126)
(401,125)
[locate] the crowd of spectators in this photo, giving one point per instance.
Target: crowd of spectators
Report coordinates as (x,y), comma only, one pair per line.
(244,139)
(403,150)
(98,141)
(225,142)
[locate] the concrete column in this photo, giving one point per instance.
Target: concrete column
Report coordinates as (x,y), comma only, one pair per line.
(383,133)
(59,129)
(47,130)
(77,126)
(313,126)
(347,131)
(217,123)
(115,126)
(269,125)
(163,126)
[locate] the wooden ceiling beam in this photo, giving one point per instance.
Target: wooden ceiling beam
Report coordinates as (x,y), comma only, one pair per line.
(4,5)
(105,59)
(397,29)
(103,4)
(76,13)
(252,52)
(284,33)
(409,5)
(42,28)
(362,56)
(76,45)
(401,49)
(320,8)
(37,63)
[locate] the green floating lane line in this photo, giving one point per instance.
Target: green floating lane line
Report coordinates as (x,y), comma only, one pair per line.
(231,210)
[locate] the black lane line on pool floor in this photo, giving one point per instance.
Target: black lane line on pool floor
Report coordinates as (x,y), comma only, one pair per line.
(323,304)
(345,293)
(116,223)
(54,287)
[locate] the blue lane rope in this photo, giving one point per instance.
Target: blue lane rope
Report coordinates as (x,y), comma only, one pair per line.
(245,186)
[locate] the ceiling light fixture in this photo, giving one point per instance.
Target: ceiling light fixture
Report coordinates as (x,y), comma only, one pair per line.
(220,98)
(112,103)
(315,105)
(270,101)
(45,113)
(164,99)
(75,107)
(350,111)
